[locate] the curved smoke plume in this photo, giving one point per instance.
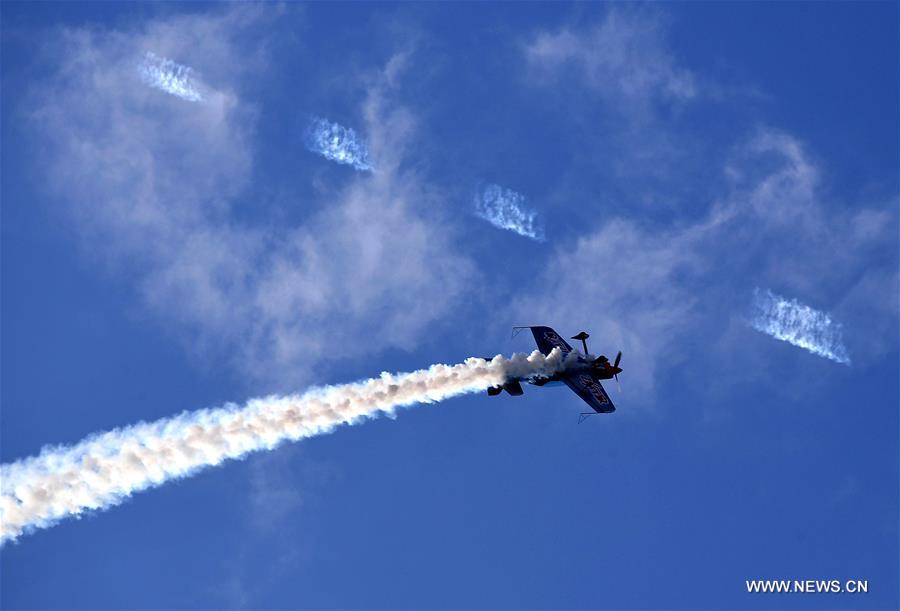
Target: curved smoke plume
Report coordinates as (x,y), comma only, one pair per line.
(107,468)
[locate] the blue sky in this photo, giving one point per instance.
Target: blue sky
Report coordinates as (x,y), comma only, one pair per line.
(162,254)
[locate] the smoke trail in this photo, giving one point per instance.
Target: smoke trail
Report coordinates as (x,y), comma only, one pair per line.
(505,209)
(170,77)
(337,143)
(107,468)
(798,324)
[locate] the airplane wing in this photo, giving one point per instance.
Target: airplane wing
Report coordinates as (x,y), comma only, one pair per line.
(591,391)
(547,339)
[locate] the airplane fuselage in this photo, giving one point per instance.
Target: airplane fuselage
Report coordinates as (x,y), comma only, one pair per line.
(582,372)
(582,364)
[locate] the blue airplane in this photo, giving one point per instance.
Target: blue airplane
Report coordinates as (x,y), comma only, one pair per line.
(583,376)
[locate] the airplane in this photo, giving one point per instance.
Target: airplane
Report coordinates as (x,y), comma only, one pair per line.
(583,376)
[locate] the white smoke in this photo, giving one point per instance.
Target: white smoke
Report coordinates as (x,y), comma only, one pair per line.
(105,469)
(798,324)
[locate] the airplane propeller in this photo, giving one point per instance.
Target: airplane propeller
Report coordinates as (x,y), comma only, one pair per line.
(616,364)
(603,362)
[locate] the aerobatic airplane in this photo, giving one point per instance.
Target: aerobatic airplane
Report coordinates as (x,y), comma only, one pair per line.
(582,376)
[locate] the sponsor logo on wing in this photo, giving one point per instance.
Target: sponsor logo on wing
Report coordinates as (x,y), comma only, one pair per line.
(594,388)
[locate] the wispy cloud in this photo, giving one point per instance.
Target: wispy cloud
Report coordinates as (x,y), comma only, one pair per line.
(798,324)
(642,308)
(338,143)
(624,56)
(505,209)
(619,74)
(772,227)
(166,75)
(120,159)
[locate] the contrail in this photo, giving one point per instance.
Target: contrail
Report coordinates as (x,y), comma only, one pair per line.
(337,143)
(170,77)
(798,324)
(105,469)
(505,209)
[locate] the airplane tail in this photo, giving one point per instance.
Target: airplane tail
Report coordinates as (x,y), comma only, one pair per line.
(514,388)
(547,339)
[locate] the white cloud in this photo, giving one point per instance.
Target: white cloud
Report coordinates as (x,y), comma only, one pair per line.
(628,287)
(659,293)
(622,57)
(798,324)
(505,209)
(773,174)
(787,229)
(623,89)
(150,183)
(274,496)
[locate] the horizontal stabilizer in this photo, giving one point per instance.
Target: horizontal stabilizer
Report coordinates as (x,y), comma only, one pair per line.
(513,388)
